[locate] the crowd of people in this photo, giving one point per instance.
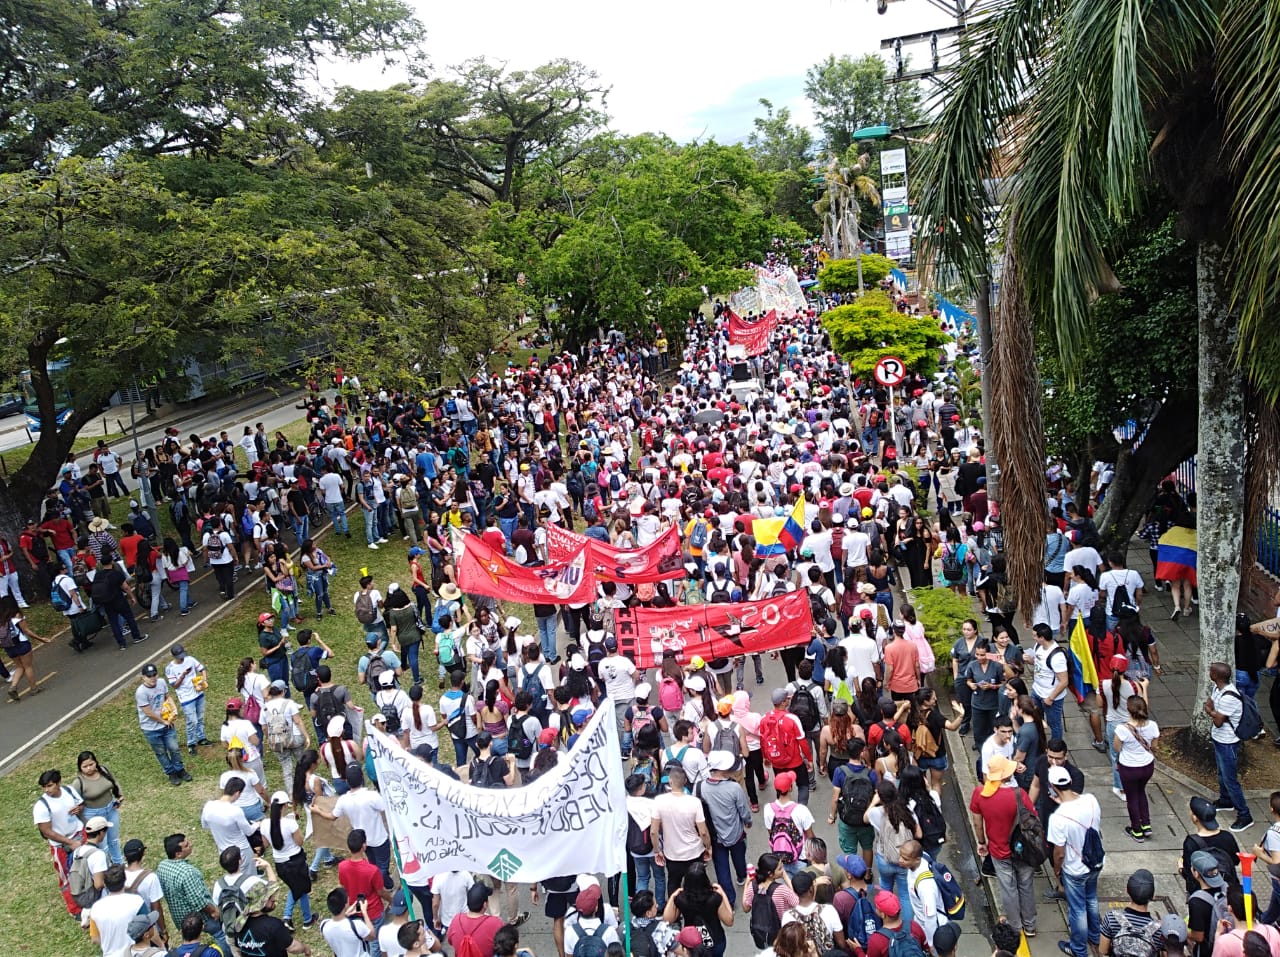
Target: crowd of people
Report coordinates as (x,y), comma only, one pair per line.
(622,444)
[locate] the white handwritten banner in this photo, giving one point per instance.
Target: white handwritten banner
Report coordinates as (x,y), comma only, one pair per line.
(572,820)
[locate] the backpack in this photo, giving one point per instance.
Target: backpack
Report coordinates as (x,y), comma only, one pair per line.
(102,593)
(531,681)
(817,606)
(301,671)
(389,712)
(519,744)
(246,523)
(596,653)
(642,944)
(1092,853)
(326,707)
(447,652)
(280,731)
(645,734)
(1135,942)
(457,719)
(1249,726)
(664,783)
(781,751)
(923,743)
(490,772)
(953,902)
(639,839)
(779,588)
(1226,866)
(214,544)
(615,482)
(814,928)
(1221,912)
(698,534)
(863,920)
(366,614)
(952,564)
(573,484)
(592,944)
(670,696)
(855,797)
(901,943)
(80,877)
(467,946)
(933,826)
(1122,605)
(785,838)
(1026,837)
(805,708)
(408,498)
(720,596)
(589,511)
(374,669)
(451,406)
(231,901)
(726,739)
(765,923)
(58,597)
(80,570)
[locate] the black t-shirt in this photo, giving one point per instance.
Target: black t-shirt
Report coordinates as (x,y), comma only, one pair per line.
(1195,842)
(264,936)
(702,914)
(297,503)
(267,640)
(1199,917)
(937,727)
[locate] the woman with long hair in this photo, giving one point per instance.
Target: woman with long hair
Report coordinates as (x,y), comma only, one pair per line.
(922,800)
(281,833)
(1133,744)
(102,798)
(894,825)
(339,752)
(793,941)
(418,724)
(749,722)
(254,794)
(250,684)
(307,786)
(493,717)
(317,568)
(698,902)
(178,567)
(1115,699)
(1028,738)
(840,739)
(878,576)
(914,633)
(149,568)
(930,718)
(281,585)
(893,756)
(866,707)
(16,637)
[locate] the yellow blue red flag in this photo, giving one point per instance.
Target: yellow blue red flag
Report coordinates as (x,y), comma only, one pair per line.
(775,536)
(1176,555)
(1083,671)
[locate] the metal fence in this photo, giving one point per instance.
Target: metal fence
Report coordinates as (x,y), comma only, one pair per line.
(1268,544)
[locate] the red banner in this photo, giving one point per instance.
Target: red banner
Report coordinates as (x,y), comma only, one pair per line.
(753,335)
(658,561)
(713,631)
(482,570)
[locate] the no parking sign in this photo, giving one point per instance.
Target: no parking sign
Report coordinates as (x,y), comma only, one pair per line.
(890,371)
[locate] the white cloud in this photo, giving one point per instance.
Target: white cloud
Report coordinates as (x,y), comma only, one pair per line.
(682,67)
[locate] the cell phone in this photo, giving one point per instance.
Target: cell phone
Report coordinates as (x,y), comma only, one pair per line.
(360,899)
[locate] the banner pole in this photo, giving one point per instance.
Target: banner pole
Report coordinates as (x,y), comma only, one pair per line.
(404,888)
(626,913)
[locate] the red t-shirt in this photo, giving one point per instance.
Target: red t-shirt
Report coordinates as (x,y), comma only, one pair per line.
(876,732)
(998,813)
(480,929)
(878,943)
(903,657)
(362,877)
(494,538)
(63,532)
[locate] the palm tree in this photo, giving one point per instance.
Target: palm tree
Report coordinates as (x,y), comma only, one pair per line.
(1104,110)
(847,183)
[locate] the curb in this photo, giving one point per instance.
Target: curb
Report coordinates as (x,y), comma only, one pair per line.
(1173,774)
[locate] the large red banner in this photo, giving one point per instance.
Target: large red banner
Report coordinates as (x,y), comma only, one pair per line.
(482,570)
(713,631)
(753,335)
(658,561)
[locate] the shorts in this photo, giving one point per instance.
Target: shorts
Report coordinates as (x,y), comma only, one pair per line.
(559,904)
(863,837)
(17,651)
(936,763)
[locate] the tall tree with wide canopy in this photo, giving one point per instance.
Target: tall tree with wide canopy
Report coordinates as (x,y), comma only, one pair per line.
(1112,108)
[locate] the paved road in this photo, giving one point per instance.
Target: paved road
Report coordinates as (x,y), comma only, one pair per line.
(91,677)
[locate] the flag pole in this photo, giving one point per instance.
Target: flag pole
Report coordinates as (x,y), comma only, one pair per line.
(395,850)
(626,913)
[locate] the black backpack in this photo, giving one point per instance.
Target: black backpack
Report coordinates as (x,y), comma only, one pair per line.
(933,826)
(518,743)
(1122,605)
(642,944)
(817,607)
(765,923)
(855,797)
(805,708)
(489,772)
(389,712)
(301,671)
(327,707)
(1026,837)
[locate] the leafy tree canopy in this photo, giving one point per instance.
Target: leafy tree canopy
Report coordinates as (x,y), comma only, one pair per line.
(866,331)
(849,93)
(841,275)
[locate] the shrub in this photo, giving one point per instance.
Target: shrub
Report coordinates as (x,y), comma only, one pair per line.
(841,275)
(942,612)
(866,331)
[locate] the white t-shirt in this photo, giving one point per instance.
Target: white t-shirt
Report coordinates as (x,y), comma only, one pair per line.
(364,809)
(1113,579)
(242,729)
(288,826)
(1228,704)
(332,485)
(426,735)
(1086,556)
(452,889)
(228,825)
(346,936)
(249,796)
(1048,609)
(991,747)
(228,553)
(1048,663)
(152,698)
(1082,598)
(801,816)
(181,677)
(390,945)
(926,901)
(67,585)
(680,815)
(111,916)
(1133,753)
(56,812)
(618,675)
(1067,826)
(863,653)
(830,916)
(148,888)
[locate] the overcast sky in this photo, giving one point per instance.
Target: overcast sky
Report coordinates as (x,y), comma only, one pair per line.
(687,68)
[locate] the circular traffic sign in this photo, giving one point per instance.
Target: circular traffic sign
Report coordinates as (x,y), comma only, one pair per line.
(890,371)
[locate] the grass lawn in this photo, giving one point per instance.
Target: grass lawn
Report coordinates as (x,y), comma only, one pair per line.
(153,808)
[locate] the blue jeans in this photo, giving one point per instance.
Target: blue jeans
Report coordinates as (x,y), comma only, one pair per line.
(410,655)
(871,441)
(1226,756)
(1052,714)
(1111,751)
(301,532)
(460,746)
(894,878)
(547,635)
(338,514)
(323,855)
(193,717)
(318,585)
(1273,908)
(184,600)
(1082,911)
(380,854)
(1246,685)
(375,950)
(164,743)
(649,876)
(721,856)
(112,814)
(508,526)
(370,525)
(384,519)
(290,903)
(278,670)
(213,927)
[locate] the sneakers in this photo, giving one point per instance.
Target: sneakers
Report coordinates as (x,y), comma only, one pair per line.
(175,780)
(373,546)
(521,918)
(382,541)
(140,639)
(1099,746)
(1223,804)
(184,774)
(1146,830)
(1137,835)
(1176,612)
(1241,824)
(315,875)
(1118,793)
(309,922)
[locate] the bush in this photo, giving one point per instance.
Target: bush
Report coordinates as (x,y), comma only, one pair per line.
(841,275)
(866,331)
(942,612)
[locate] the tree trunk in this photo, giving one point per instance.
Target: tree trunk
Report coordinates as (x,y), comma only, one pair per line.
(1220,462)
(1168,443)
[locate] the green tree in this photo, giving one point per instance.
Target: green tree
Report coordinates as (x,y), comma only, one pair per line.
(866,331)
(785,151)
(841,275)
(849,93)
(1122,109)
(847,188)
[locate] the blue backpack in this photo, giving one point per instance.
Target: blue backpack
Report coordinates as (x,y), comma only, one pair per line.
(953,902)
(863,919)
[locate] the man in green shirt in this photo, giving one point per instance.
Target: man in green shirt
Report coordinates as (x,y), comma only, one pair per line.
(185,891)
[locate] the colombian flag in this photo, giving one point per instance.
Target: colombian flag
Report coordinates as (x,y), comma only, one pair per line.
(1176,555)
(1083,672)
(775,536)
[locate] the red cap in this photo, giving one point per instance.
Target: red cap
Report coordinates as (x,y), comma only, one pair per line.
(265,617)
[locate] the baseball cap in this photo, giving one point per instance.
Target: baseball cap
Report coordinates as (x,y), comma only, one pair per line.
(265,617)
(720,760)
(724,706)
(588,900)
(99,823)
(1059,777)
(372,638)
(695,683)
(689,937)
(477,895)
(547,737)
(611,643)
(945,938)
(279,685)
(281,797)
(415,552)
(1202,862)
(643,690)
(888,904)
(784,782)
(177,651)
(577,663)
(134,848)
(149,670)
(1203,809)
(398,904)
(234,703)
(139,924)
(336,727)
(1141,886)
(778,696)
(1119,663)
(1000,768)
(853,865)
(387,678)
(1173,928)
(580,716)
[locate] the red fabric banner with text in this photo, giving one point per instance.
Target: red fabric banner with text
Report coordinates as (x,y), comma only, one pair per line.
(658,561)
(713,631)
(753,335)
(483,571)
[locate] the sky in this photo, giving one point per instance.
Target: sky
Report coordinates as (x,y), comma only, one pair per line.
(686,68)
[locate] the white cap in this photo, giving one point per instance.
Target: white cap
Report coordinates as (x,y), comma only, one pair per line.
(577,663)
(387,678)
(336,727)
(281,797)
(511,622)
(720,760)
(695,683)
(643,690)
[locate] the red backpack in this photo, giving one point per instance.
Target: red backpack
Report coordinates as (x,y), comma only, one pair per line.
(778,740)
